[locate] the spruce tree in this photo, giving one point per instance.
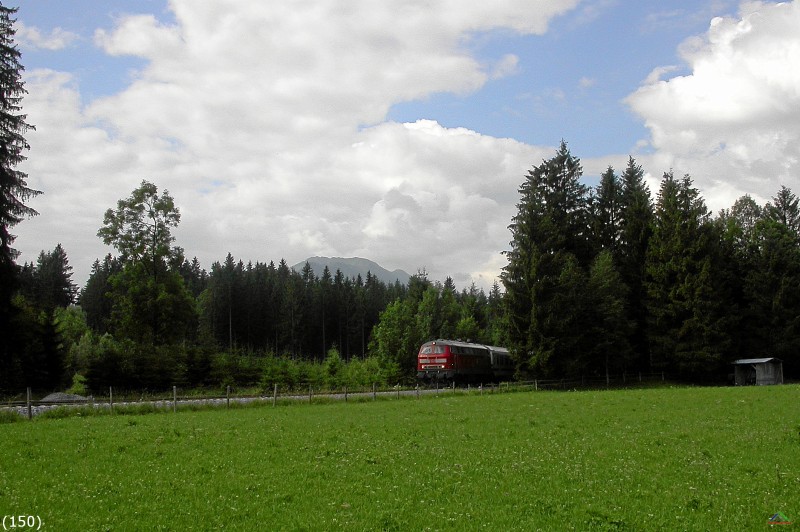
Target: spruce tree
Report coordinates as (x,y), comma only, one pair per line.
(785,209)
(687,318)
(636,226)
(14,190)
(738,258)
(772,283)
(607,212)
(610,351)
(94,297)
(53,286)
(550,251)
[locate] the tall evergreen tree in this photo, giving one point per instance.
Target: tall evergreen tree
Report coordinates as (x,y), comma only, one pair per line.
(49,283)
(607,212)
(636,226)
(497,320)
(739,252)
(550,250)
(687,328)
(772,283)
(610,351)
(95,297)
(14,190)
(785,209)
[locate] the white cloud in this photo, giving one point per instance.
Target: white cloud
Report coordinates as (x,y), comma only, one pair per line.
(139,35)
(734,121)
(266,122)
(33,38)
(505,67)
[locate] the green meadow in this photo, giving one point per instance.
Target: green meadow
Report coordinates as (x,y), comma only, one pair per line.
(651,459)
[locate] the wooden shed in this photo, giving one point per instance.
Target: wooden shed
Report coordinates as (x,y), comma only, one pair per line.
(758,371)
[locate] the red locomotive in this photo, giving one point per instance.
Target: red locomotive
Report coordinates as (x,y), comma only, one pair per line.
(452,360)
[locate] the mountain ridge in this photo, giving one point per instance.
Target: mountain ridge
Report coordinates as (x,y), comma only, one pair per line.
(351,267)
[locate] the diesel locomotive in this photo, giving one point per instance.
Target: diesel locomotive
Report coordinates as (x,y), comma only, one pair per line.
(453,360)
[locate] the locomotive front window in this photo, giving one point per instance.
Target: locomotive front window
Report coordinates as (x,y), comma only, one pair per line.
(427,350)
(439,350)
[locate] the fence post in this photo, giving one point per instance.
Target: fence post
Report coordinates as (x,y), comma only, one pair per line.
(374,395)
(417,391)
(454,387)
(345,394)
(536,384)
(481,388)
(398,390)
(174,399)
(111,398)
(228,396)
(274,394)
(310,393)
(30,412)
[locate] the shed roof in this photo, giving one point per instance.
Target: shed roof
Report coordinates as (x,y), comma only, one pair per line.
(755,360)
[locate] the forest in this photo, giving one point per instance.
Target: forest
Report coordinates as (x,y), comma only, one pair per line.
(600,280)
(608,280)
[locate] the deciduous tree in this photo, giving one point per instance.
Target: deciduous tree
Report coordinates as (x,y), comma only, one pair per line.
(151,304)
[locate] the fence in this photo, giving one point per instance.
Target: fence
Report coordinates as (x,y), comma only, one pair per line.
(115,401)
(126,401)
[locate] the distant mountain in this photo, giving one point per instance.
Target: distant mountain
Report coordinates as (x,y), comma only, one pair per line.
(352,267)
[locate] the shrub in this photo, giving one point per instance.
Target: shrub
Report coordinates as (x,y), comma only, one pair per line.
(78,385)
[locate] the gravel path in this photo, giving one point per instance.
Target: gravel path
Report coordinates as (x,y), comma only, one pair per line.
(63,400)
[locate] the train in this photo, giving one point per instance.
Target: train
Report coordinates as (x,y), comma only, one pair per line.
(457,361)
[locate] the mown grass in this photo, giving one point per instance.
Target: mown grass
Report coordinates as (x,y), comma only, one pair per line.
(657,459)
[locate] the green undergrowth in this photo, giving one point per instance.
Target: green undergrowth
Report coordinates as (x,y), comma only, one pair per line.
(648,459)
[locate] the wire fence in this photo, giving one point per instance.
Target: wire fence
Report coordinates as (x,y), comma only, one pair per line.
(129,401)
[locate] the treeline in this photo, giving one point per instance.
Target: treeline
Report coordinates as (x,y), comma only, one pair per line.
(149,318)
(606,280)
(261,307)
(599,280)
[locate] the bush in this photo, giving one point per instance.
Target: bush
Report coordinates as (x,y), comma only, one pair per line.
(78,385)
(312,373)
(335,370)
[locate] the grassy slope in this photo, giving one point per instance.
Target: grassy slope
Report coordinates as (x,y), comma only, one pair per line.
(689,458)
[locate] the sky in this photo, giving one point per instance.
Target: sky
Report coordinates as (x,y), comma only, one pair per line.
(396,131)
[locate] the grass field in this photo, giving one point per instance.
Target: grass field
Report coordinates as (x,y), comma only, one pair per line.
(657,459)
